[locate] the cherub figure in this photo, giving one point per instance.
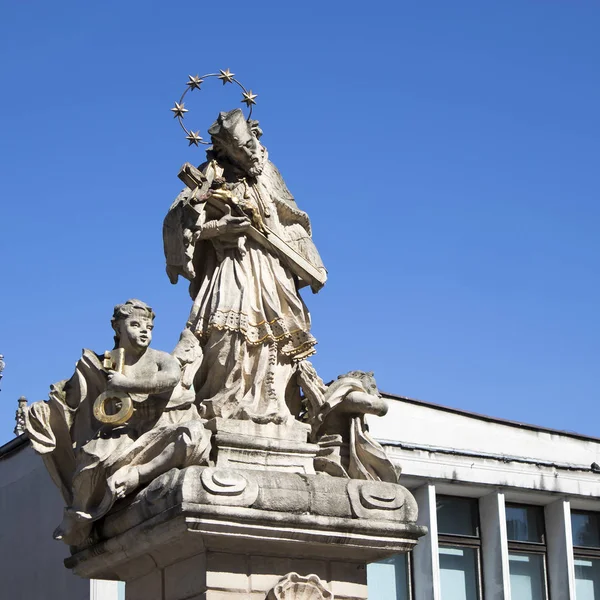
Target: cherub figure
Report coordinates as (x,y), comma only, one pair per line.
(337,415)
(96,463)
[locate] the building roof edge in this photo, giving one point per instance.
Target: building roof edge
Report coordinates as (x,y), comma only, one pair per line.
(13,445)
(474,415)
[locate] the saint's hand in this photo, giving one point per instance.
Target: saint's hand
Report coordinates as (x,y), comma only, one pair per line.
(226,226)
(230,225)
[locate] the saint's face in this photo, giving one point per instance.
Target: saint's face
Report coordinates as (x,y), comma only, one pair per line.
(137,330)
(245,150)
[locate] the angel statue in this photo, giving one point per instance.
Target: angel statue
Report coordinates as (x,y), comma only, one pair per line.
(122,420)
(238,236)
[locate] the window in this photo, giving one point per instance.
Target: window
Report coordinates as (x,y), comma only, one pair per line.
(586,529)
(586,547)
(389,579)
(526,552)
(459,548)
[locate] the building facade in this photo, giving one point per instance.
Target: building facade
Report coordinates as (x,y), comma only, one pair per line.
(512,511)
(30,508)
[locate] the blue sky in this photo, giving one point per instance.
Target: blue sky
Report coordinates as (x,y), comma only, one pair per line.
(447,153)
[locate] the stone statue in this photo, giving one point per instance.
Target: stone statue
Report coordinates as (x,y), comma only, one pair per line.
(337,417)
(248,315)
(232,442)
(20,416)
(95,463)
(235,422)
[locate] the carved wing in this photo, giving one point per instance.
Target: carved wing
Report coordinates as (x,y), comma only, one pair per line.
(177,241)
(295,229)
(368,459)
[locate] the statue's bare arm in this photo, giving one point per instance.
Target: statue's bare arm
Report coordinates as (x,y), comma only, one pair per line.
(146,379)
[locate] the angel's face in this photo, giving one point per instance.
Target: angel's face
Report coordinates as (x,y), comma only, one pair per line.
(136,330)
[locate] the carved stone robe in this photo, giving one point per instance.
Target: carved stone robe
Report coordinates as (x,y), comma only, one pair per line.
(83,456)
(247,313)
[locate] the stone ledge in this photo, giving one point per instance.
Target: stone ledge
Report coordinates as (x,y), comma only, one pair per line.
(203,510)
(284,496)
(274,534)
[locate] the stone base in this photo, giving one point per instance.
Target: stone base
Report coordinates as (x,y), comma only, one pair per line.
(209,533)
(248,445)
(223,576)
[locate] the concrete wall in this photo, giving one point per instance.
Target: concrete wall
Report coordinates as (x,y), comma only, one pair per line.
(32,567)
(423,423)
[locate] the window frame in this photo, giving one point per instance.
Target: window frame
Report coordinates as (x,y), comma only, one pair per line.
(453,540)
(585,551)
(408,557)
(538,548)
(410,575)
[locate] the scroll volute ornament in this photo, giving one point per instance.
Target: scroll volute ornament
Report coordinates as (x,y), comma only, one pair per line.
(297,587)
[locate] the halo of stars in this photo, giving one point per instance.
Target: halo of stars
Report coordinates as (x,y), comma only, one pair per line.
(194,82)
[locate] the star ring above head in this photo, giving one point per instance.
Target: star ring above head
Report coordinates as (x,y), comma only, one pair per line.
(226,76)
(193,83)
(179,110)
(194,138)
(248,98)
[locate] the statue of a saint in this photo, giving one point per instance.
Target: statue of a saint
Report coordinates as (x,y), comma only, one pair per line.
(95,463)
(131,415)
(237,395)
(241,240)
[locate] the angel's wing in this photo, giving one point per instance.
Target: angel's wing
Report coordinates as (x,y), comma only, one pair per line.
(175,241)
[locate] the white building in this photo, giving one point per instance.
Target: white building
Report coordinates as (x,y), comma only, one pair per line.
(512,512)
(512,509)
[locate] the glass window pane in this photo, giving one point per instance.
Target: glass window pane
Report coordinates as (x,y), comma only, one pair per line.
(459,573)
(527,577)
(457,515)
(524,523)
(587,578)
(388,579)
(586,529)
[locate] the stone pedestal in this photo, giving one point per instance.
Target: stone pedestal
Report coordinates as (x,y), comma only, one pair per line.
(227,575)
(248,445)
(211,533)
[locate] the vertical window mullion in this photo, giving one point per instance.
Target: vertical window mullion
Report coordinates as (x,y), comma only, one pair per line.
(494,547)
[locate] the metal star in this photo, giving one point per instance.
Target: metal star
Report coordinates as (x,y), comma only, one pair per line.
(179,109)
(226,76)
(194,82)
(193,137)
(248,98)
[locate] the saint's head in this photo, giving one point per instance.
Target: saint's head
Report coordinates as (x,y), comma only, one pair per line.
(237,139)
(133,322)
